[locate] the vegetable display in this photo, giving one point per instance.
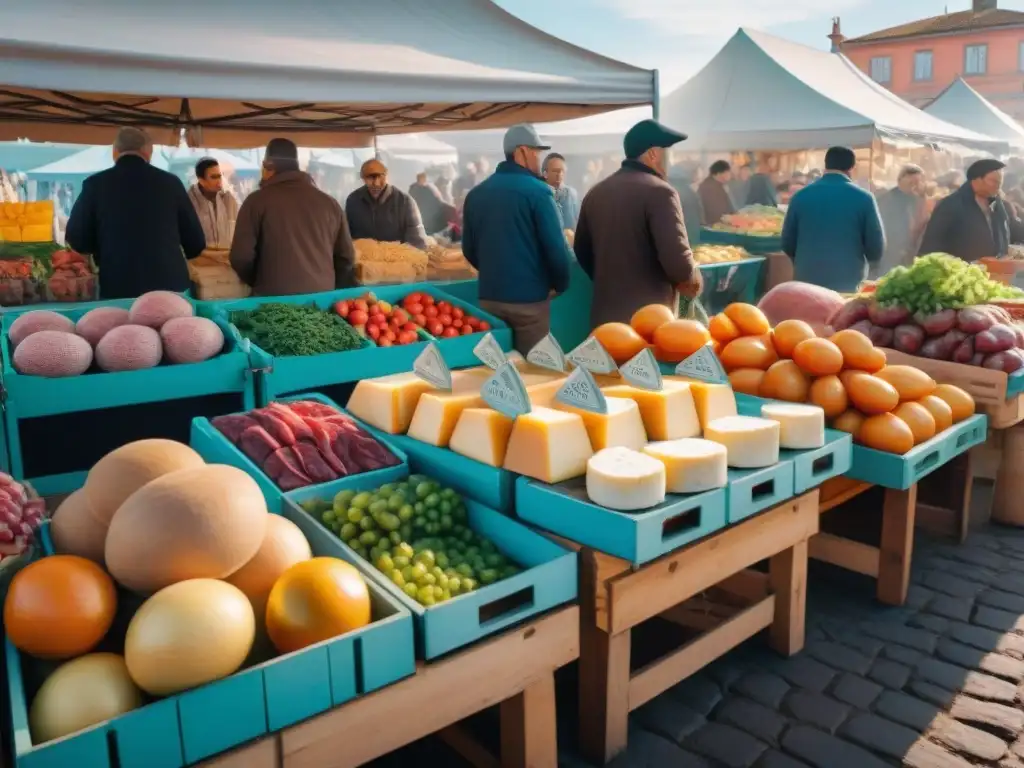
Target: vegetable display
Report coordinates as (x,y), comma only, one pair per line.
(21,512)
(709,253)
(303,442)
(939,281)
(295,330)
(33,272)
(756,220)
(417,534)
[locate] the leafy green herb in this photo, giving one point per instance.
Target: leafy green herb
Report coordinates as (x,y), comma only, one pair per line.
(940,281)
(294,330)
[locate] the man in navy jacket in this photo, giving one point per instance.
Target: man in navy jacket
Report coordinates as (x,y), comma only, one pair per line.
(137,222)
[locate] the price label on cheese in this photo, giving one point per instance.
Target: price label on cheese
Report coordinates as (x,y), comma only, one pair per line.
(703,365)
(490,352)
(431,367)
(548,354)
(505,392)
(642,370)
(581,391)
(592,356)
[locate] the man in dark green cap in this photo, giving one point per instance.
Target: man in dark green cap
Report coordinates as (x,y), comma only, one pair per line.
(631,238)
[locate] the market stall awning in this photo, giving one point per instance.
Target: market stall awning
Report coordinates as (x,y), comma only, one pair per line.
(763,92)
(25,155)
(419,148)
(596,135)
(962,105)
(79,166)
(325,73)
(188,156)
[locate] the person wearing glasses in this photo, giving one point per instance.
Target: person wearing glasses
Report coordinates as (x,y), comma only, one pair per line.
(379,211)
(216,208)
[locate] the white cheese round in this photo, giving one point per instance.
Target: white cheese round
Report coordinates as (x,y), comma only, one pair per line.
(692,465)
(750,442)
(801,427)
(624,479)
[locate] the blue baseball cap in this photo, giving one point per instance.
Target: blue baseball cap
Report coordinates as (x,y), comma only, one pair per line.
(522,135)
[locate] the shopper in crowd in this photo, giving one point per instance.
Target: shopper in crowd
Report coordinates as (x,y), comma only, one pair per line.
(379,211)
(974,221)
(434,211)
(681,177)
(714,194)
(832,229)
(761,189)
(444,185)
(216,207)
(465,181)
(512,234)
(631,238)
(567,200)
(136,221)
(739,184)
(904,217)
(290,237)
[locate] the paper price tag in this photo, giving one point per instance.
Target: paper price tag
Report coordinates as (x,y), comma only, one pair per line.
(548,354)
(431,367)
(581,391)
(505,392)
(592,356)
(489,352)
(642,370)
(703,365)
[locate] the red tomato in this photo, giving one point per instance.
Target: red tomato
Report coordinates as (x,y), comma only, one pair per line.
(483,325)
(341,308)
(466,330)
(444,319)
(457,323)
(400,316)
(413,298)
(361,304)
(449,333)
(390,335)
(444,307)
(384,342)
(410,327)
(414,309)
(380,320)
(470,321)
(427,300)
(420,320)
(430,311)
(457,312)
(374,332)
(358,317)
(407,337)
(434,328)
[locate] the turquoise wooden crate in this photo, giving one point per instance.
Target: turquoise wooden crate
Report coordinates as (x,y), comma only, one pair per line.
(732,281)
(215,448)
(639,537)
(282,375)
(754,490)
(755,244)
(548,579)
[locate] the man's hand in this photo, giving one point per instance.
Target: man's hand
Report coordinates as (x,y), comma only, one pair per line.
(693,287)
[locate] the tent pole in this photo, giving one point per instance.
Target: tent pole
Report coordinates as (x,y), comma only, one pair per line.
(376,149)
(656,102)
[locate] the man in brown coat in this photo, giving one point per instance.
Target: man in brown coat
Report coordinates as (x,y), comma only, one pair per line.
(290,237)
(631,238)
(714,194)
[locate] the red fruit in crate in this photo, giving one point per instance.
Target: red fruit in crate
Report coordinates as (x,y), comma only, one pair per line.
(414,309)
(361,304)
(407,337)
(457,313)
(465,330)
(427,300)
(374,332)
(449,333)
(341,308)
(457,322)
(385,343)
(430,311)
(444,319)
(434,328)
(483,325)
(400,316)
(358,317)
(413,298)
(390,335)
(410,327)
(420,320)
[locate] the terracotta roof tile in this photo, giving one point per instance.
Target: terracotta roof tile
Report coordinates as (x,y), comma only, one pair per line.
(961,21)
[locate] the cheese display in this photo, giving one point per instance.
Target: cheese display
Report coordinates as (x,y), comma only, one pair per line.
(801,427)
(668,413)
(548,445)
(750,442)
(624,479)
(389,402)
(438,410)
(482,434)
(713,401)
(621,426)
(692,465)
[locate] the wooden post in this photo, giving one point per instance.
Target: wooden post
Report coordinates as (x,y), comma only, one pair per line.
(897,545)
(529,736)
(788,577)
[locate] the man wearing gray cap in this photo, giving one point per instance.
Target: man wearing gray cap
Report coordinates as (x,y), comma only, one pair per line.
(512,234)
(631,237)
(290,237)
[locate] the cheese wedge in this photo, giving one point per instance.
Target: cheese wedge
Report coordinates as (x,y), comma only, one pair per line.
(713,401)
(482,434)
(801,427)
(692,465)
(622,426)
(624,479)
(749,441)
(548,445)
(388,402)
(438,411)
(668,414)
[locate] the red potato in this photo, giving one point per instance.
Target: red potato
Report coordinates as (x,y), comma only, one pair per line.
(942,347)
(849,314)
(880,337)
(999,314)
(938,323)
(908,338)
(1019,333)
(862,326)
(998,338)
(974,320)
(888,317)
(964,352)
(977,359)
(1007,362)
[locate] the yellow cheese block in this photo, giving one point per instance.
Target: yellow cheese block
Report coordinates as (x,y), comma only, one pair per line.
(548,445)
(437,412)
(14,210)
(39,208)
(11,234)
(621,427)
(388,402)
(482,434)
(668,414)
(37,233)
(713,401)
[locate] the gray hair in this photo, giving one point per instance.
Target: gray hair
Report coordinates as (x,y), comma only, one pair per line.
(132,140)
(909,170)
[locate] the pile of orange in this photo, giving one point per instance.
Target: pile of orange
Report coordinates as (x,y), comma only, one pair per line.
(672,340)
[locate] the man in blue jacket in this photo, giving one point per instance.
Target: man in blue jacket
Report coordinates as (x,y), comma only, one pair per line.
(512,233)
(833,230)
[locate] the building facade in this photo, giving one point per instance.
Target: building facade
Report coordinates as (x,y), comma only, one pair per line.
(918,60)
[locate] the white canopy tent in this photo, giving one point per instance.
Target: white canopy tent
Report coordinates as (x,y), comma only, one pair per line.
(325,73)
(418,148)
(962,105)
(763,92)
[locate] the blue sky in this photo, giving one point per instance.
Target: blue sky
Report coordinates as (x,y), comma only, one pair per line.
(679,36)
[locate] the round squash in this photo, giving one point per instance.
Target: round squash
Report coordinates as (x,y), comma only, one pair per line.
(619,340)
(94,324)
(155,308)
(858,351)
(788,334)
(722,329)
(678,339)
(829,394)
(911,383)
(191,339)
(202,523)
(283,546)
(59,607)
(849,422)
(749,319)
(918,418)
(53,355)
(747,380)
(818,357)
(748,352)
(870,395)
(76,531)
(37,320)
(129,348)
(940,411)
(959,402)
(647,320)
(785,381)
(885,432)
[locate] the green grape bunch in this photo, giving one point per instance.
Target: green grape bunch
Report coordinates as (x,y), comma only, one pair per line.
(939,281)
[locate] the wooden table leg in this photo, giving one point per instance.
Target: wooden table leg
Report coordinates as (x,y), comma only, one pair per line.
(528,732)
(604,692)
(897,545)
(788,578)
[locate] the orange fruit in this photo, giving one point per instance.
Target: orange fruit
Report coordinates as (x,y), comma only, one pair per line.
(959,402)
(646,320)
(619,340)
(849,422)
(885,432)
(818,357)
(316,600)
(750,320)
(59,607)
(722,329)
(940,411)
(912,383)
(870,394)
(678,339)
(785,381)
(747,380)
(858,351)
(829,394)
(748,352)
(918,418)
(788,334)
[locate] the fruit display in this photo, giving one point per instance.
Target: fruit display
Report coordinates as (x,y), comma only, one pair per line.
(396,325)
(709,253)
(417,534)
(671,339)
(441,319)
(388,262)
(295,330)
(303,442)
(21,512)
(756,220)
(32,272)
(159,327)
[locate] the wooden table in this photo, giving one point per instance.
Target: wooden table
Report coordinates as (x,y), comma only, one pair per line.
(706,586)
(515,670)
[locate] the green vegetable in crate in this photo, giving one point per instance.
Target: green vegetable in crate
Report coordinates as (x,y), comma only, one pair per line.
(295,330)
(939,281)
(417,534)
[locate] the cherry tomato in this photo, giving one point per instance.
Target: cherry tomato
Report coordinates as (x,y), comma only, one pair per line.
(457,313)
(427,300)
(470,321)
(420,320)
(415,308)
(444,306)
(410,327)
(457,323)
(413,298)
(430,311)
(407,337)
(384,342)
(449,333)
(358,317)
(374,332)
(435,328)
(483,325)
(466,330)
(361,304)
(400,316)
(341,308)
(444,319)
(389,335)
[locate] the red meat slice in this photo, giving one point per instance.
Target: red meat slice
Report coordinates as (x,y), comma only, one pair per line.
(277,428)
(256,443)
(295,422)
(285,470)
(311,408)
(341,446)
(324,434)
(233,425)
(316,468)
